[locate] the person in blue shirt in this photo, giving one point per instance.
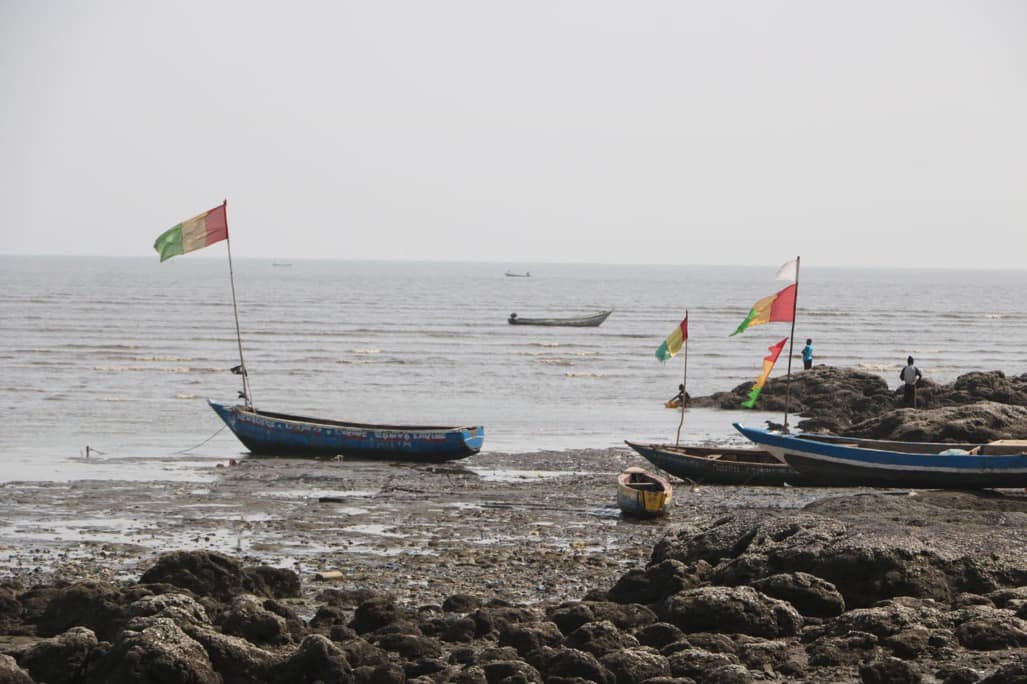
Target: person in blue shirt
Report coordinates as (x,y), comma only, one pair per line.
(807,354)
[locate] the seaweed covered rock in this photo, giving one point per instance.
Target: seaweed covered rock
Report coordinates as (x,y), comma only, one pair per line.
(983,421)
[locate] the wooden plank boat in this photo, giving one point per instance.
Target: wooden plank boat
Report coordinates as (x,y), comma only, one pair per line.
(588,321)
(526,274)
(884,463)
(642,494)
(722,466)
(279,434)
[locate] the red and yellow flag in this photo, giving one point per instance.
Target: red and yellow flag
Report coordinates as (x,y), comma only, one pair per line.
(672,345)
(768,365)
(777,308)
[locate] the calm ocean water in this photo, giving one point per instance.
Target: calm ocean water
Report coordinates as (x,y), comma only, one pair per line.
(121,353)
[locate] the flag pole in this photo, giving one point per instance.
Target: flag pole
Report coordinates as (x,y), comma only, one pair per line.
(791,343)
(235,309)
(684,390)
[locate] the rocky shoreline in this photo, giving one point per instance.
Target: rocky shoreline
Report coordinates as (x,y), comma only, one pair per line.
(518,568)
(872,587)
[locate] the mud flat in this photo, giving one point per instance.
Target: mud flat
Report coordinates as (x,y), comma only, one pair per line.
(506,565)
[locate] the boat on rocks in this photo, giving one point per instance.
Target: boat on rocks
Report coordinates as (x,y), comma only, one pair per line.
(279,434)
(887,463)
(642,494)
(587,321)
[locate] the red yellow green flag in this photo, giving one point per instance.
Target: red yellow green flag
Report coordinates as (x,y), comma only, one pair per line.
(778,307)
(768,364)
(672,345)
(196,233)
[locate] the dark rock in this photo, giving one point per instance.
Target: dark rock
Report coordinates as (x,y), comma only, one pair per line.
(785,658)
(35,600)
(461,603)
(379,674)
(62,659)
(316,660)
(360,652)
(713,642)
(530,637)
(810,595)
(957,674)
(469,675)
(10,610)
(979,422)
(248,618)
(182,608)
(1013,673)
(235,659)
(909,643)
(327,617)
(569,616)
(994,632)
(205,573)
(346,598)
(887,618)
(654,583)
(624,615)
(154,650)
(374,614)
(461,629)
(728,674)
(741,610)
(421,667)
(698,664)
(95,605)
(570,662)
(659,634)
(1003,598)
(851,649)
(503,670)
(889,671)
(634,666)
(271,582)
(600,638)
(410,646)
(10,673)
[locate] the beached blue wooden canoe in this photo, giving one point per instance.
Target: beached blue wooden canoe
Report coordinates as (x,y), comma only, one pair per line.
(279,434)
(882,463)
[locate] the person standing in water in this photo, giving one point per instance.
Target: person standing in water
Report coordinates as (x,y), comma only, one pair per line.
(807,354)
(910,376)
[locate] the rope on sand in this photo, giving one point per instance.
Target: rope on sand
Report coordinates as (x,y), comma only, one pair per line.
(183,451)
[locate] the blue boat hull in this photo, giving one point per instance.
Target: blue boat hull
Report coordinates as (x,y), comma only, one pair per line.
(920,465)
(276,434)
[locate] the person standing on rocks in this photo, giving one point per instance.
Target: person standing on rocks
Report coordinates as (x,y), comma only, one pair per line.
(807,354)
(910,376)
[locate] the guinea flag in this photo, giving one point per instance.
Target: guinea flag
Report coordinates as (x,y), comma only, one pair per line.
(768,365)
(776,308)
(196,233)
(672,345)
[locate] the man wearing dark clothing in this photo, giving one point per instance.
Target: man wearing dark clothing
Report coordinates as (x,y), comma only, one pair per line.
(910,376)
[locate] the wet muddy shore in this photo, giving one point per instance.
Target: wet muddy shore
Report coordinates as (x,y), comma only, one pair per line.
(506,567)
(527,527)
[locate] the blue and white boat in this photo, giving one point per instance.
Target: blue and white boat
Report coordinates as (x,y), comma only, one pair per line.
(279,434)
(884,463)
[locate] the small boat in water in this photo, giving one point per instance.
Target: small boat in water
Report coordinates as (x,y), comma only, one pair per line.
(642,494)
(526,274)
(887,463)
(279,434)
(721,465)
(587,321)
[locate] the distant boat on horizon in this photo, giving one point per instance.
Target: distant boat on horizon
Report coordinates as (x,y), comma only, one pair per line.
(526,274)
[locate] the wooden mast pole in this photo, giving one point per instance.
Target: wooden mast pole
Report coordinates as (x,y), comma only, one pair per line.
(684,388)
(791,343)
(247,400)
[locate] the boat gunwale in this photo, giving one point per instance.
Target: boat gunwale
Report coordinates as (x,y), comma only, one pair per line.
(285,417)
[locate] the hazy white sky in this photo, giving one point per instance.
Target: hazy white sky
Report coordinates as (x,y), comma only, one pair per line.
(869,133)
